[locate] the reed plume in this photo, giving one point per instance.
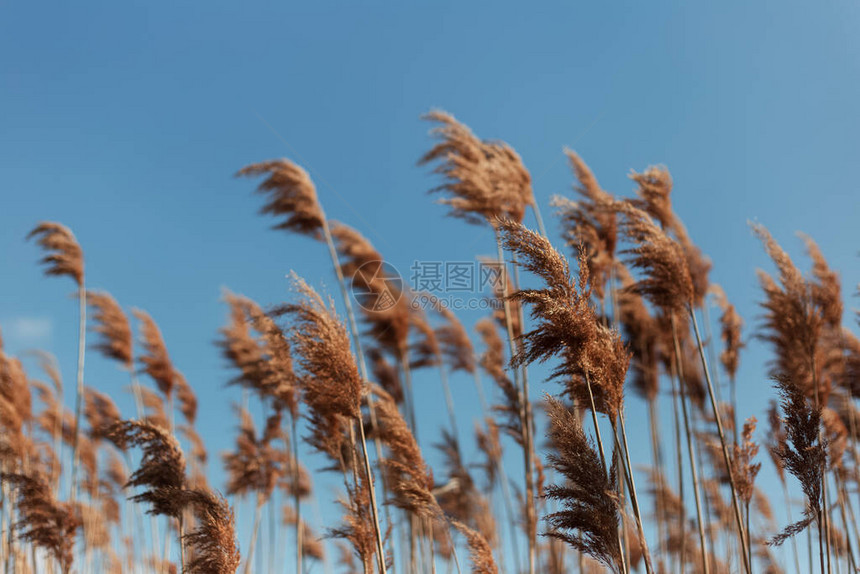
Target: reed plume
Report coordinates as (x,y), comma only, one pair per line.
(290,193)
(589,518)
(162,467)
(65,257)
(386,312)
(587,224)
(212,544)
(264,361)
(111,324)
(331,385)
(667,282)
(155,361)
(591,353)
(483,179)
(480,552)
(731,325)
(358,527)
(43,520)
(801,453)
(410,480)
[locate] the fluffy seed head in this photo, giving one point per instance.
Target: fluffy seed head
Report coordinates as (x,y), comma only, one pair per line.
(64,255)
(291,195)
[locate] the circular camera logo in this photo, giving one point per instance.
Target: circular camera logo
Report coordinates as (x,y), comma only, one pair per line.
(377,286)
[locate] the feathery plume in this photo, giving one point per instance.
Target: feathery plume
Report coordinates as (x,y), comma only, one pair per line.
(64,254)
(792,322)
(484,179)
(643,335)
(801,453)
(264,362)
(385,374)
(588,225)
(743,467)
(410,481)
(42,520)
(162,467)
(825,288)
(212,544)
(254,465)
(568,325)
(667,282)
(330,382)
(480,552)
(155,360)
(112,324)
(730,332)
(385,310)
(291,194)
(100,411)
(588,521)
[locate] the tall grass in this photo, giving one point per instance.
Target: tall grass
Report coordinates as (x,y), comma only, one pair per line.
(623,313)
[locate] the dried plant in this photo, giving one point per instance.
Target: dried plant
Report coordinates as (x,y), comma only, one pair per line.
(385,375)
(291,195)
(480,552)
(667,282)
(410,481)
(385,310)
(264,362)
(111,323)
(588,226)
(745,469)
(801,452)
(330,382)
(358,527)
(212,544)
(731,325)
(64,254)
(493,362)
(156,360)
(592,355)
(100,411)
(255,465)
(589,520)
(43,520)
(792,322)
(162,468)
(484,179)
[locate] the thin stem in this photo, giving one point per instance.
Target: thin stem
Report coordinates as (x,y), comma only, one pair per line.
(362,365)
(181,522)
(602,454)
(634,498)
(680,467)
(790,520)
(726,459)
(690,453)
(253,543)
(82,343)
(296,497)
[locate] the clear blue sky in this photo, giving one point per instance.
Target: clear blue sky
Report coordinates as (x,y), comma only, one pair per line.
(126,121)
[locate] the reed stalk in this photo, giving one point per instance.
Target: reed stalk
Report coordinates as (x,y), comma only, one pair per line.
(79,392)
(688,431)
(726,459)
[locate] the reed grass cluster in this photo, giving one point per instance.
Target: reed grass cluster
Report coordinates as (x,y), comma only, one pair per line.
(555,487)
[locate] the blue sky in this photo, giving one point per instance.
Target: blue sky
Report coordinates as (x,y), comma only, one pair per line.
(127,121)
